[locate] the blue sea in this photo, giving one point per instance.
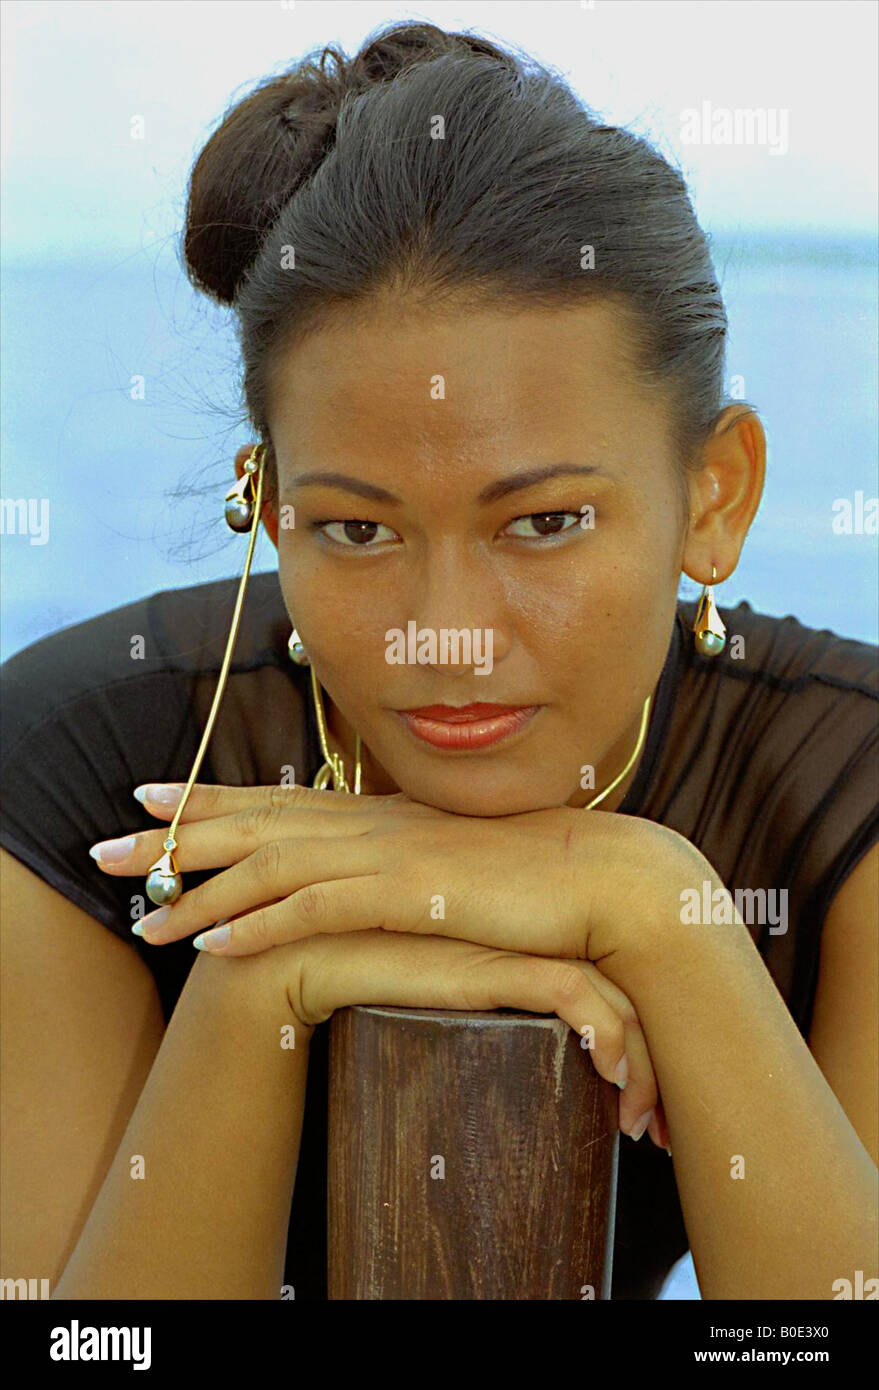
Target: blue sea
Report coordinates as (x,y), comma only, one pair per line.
(128,492)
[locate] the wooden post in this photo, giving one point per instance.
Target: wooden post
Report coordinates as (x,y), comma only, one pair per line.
(471,1156)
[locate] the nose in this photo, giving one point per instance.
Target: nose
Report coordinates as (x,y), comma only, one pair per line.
(461,597)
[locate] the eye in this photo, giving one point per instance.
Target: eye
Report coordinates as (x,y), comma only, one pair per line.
(353,535)
(545,523)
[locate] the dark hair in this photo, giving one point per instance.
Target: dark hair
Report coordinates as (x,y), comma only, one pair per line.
(335,159)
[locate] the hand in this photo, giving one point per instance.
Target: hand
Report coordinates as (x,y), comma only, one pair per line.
(322,973)
(558,882)
(542,905)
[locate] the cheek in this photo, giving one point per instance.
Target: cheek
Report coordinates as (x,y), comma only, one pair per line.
(601,636)
(606,598)
(335,613)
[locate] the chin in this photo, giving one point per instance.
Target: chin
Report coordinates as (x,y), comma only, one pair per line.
(468,798)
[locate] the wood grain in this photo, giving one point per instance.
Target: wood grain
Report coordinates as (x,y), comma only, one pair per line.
(471,1156)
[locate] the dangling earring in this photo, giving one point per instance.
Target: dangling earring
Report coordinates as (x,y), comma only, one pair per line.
(296,650)
(333,768)
(708,627)
(240,498)
(164,883)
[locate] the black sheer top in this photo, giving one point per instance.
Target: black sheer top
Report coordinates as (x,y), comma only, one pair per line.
(768,764)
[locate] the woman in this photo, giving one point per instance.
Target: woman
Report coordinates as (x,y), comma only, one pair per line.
(483,350)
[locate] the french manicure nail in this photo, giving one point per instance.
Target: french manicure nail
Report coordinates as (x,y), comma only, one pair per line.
(621,1075)
(112,851)
(640,1125)
(152,919)
(158,793)
(212,940)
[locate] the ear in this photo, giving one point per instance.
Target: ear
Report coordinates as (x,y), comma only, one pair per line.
(725,495)
(267,512)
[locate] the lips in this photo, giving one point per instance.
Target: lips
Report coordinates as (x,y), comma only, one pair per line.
(466,726)
(459,714)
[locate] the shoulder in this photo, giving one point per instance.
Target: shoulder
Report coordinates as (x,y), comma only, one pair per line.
(787,702)
(91,711)
(784,654)
(773,760)
(119,658)
(771,769)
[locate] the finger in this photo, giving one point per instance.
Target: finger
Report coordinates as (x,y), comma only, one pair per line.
(281,893)
(352,904)
(658,1128)
(443,973)
(325,893)
(641,1093)
(206,802)
(219,841)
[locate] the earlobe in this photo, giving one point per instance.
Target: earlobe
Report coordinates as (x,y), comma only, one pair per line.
(725,495)
(270,522)
(243,454)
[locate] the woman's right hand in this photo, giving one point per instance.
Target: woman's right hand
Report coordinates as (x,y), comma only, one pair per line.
(325,972)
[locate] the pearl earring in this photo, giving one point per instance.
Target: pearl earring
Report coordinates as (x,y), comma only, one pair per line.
(296,650)
(708,627)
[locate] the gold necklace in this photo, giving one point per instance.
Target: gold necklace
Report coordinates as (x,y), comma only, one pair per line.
(333,768)
(638,746)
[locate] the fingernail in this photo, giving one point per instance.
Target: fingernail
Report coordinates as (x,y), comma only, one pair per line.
(112,851)
(640,1125)
(158,793)
(621,1075)
(668,1149)
(211,940)
(152,919)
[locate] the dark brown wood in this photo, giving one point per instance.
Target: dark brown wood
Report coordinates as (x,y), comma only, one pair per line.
(509,1107)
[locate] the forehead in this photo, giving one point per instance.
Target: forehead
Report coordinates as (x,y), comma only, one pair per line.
(385,383)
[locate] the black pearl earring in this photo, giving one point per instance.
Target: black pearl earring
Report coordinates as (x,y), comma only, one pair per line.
(708,627)
(240,499)
(296,650)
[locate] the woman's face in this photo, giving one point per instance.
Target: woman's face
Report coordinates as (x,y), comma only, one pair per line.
(439,424)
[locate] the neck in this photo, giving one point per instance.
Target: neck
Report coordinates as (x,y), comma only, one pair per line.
(374,780)
(616,759)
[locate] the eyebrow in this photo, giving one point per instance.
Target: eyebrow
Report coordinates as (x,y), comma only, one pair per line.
(516,482)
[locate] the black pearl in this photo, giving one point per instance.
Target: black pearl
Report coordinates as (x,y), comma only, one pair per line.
(163,888)
(239,513)
(710,643)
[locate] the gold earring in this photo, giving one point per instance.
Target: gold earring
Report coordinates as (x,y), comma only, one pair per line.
(708,626)
(164,883)
(240,499)
(333,768)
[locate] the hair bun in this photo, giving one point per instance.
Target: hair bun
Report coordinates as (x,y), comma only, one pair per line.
(413,42)
(273,140)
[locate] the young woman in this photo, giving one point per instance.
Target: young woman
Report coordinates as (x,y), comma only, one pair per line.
(483,351)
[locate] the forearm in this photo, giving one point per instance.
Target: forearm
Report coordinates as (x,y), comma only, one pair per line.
(218,1126)
(743,1094)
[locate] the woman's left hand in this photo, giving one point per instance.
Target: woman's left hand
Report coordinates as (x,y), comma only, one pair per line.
(560,882)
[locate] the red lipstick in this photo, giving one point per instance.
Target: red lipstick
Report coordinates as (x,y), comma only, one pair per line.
(466,726)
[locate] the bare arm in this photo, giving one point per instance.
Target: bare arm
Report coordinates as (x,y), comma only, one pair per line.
(777,1183)
(216,1125)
